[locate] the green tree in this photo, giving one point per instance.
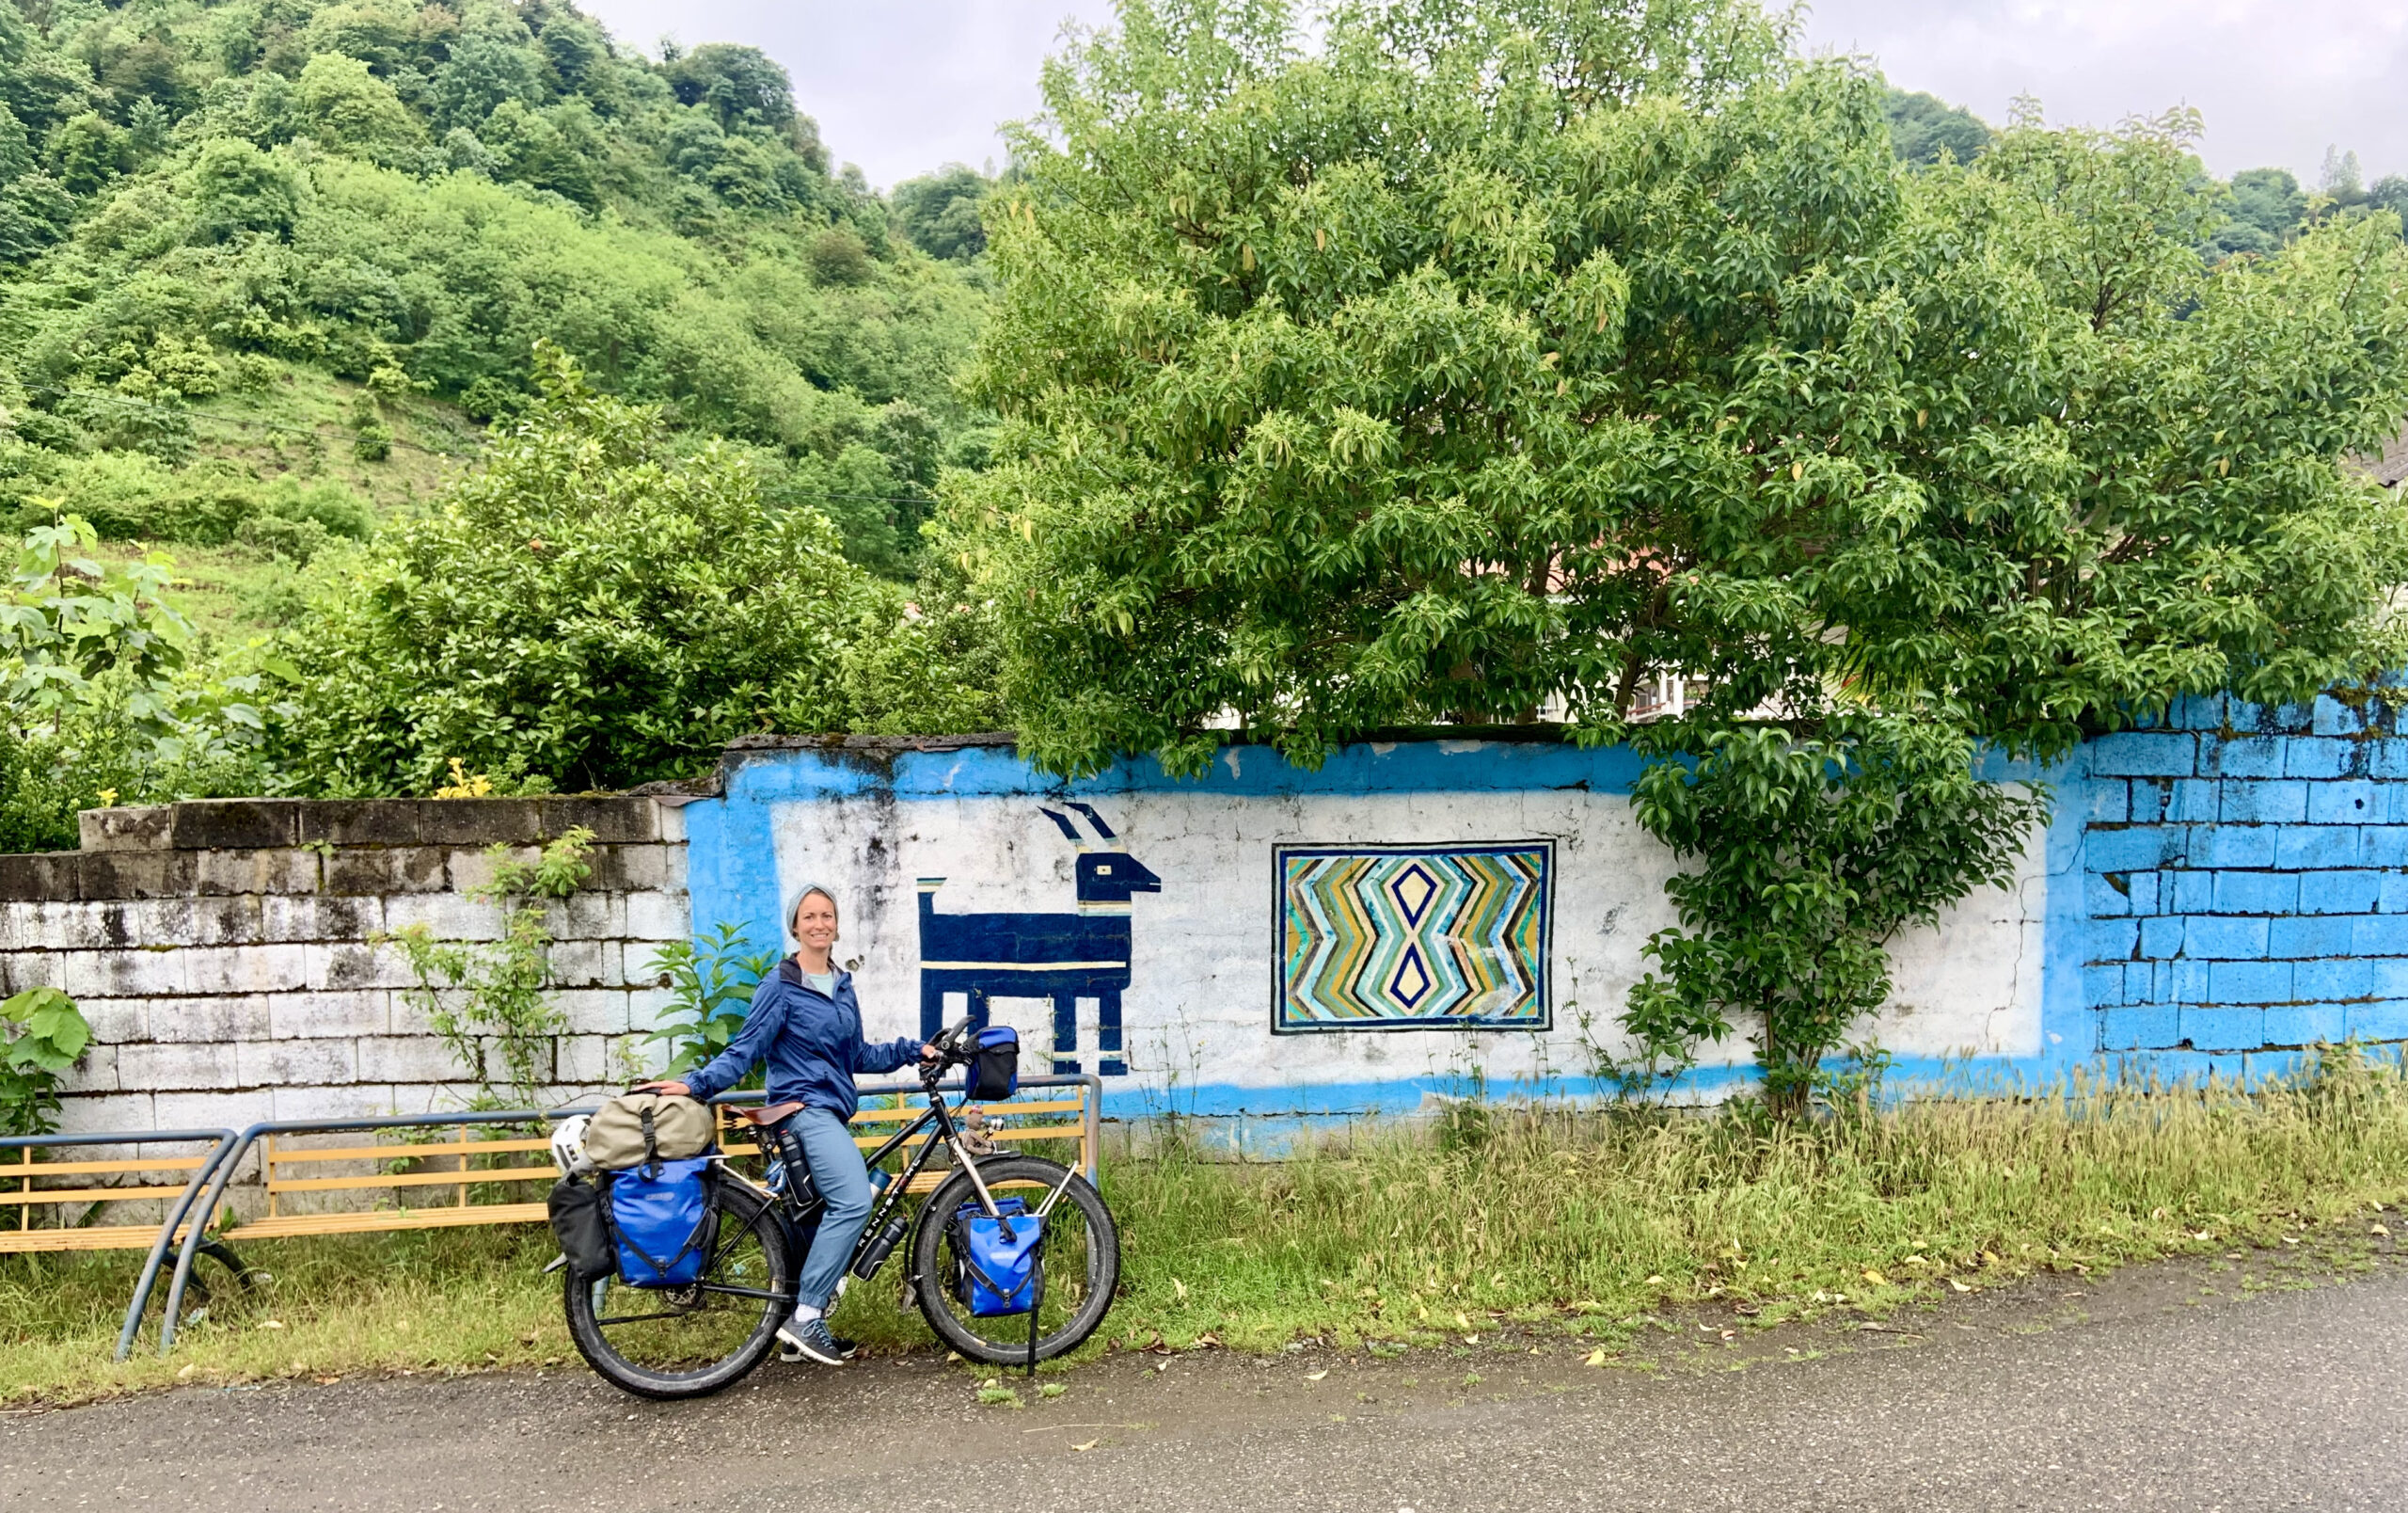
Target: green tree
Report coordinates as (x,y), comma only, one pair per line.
(1462,365)
(592,610)
(939,211)
(1922,127)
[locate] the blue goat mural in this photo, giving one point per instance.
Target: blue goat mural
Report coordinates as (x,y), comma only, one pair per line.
(1058,957)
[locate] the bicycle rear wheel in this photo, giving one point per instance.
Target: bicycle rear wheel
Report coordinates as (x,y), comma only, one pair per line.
(691,1341)
(1082,1262)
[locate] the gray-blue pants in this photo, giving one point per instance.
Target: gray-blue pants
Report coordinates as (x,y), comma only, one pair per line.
(843,1179)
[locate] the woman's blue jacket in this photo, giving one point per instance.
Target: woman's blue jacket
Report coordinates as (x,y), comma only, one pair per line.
(811,1040)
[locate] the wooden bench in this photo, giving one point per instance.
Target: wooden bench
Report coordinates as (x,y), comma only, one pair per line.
(22,1200)
(288,1169)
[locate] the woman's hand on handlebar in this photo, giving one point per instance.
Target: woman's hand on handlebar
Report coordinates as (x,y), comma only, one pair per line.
(667,1089)
(930,1053)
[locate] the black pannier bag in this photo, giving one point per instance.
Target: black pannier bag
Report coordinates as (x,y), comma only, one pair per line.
(582,1229)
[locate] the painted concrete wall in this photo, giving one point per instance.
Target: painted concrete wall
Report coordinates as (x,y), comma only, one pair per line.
(1199,1015)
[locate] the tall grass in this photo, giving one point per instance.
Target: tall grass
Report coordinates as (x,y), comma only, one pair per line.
(1560,1218)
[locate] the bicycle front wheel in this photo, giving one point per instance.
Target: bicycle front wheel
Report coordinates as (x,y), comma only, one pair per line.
(691,1341)
(1082,1263)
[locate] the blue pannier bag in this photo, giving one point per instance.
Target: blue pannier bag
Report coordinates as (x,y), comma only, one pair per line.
(996,1274)
(994,1064)
(661,1216)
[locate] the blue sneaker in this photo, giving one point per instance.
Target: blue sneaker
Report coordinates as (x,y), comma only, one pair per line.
(809,1339)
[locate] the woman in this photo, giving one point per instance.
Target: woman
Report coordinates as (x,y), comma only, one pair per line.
(807,1024)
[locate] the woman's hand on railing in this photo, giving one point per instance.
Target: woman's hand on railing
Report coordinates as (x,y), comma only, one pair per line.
(667,1089)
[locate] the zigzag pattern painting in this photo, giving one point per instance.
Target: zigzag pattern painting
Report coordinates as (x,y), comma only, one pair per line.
(1380,937)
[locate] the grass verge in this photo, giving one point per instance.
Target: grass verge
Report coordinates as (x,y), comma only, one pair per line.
(1555,1217)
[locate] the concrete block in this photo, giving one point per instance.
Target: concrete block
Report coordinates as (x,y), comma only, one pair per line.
(2322,757)
(359,1100)
(2297,939)
(2329,716)
(2289,719)
(2197,711)
(2139,1027)
(405,1058)
(61,925)
(2191,982)
(479,821)
(2350,891)
(2304,848)
(316,1015)
(2112,939)
(590,915)
(2160,936)
(2147,891)
(2224,937)
(664,916)
(181,1109)
(2387,758)
(2195,801)
(645,1005)
(2141,849)
(2383,845)
(155,1066)
(2101,986)
(2242,982)
(2379,935)
(54,875)
(2142,983)
(670,816)
(580,963)
(447,915)
(2334,978)
(472,870)
(136,974)
(2283,802)
(225,920)
(2347,802)
(95,1072)
(2191,893)
(115,1021)
(2308,1024)
(2145,798)
(337,968)
(99,1112)
(236,825)
(594,1011)
(629,869)
(2388,977)
(319,917)
(2241,756)
(613,820)
(588,1060)
(2223,1028)
(360,822)
(2234,846)
(2383,1020)
(383,873)
(2259,893)
(2145,753)
(2107,802)
(304,1063)
(129,829)
(271,968)
(218,1019)
(409,1009)
(2391,892)
(257,872)
(136,874)
(2104,896)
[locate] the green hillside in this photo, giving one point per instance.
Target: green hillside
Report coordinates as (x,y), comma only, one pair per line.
(280,263)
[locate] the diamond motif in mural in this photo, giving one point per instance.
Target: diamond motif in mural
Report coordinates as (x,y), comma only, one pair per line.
(1403,937)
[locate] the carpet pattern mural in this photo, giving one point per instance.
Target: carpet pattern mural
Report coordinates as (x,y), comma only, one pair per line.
(1413,938)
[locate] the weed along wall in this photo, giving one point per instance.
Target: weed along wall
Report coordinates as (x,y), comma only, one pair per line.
(1258,942)
(223,952)
(1270,941)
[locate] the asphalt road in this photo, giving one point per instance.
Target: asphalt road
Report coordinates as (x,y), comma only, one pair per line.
(2167,1387)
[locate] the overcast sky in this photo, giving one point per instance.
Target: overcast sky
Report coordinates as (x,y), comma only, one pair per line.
(902,85)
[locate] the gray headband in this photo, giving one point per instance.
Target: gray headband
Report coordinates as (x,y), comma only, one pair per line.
(794,902)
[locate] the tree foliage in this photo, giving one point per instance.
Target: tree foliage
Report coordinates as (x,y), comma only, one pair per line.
(1490,354)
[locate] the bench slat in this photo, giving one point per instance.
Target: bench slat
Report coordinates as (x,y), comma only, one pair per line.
(98,1238)
(18,1171)
(406,1153)
(416,1179)
(373,1220)
(87,1195)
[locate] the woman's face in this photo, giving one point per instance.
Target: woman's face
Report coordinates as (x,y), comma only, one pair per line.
(814,922)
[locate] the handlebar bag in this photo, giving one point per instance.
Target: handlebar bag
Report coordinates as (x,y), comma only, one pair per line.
(661,1216)
(996,1259)
(994,1068)
(583,1232)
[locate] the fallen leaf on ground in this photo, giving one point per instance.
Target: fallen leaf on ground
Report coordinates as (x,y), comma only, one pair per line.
(1178,1286)
(271,1323)
(1876,1278)
(1958,1286)
(1653,1282)
(1597,1357)
(2378,1230)
(1089,1445)
(1463,1321)
(1316,1375)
